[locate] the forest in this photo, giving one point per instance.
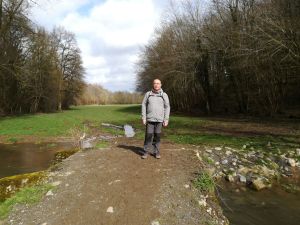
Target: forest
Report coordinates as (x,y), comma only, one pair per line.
(40,71)
(232,57)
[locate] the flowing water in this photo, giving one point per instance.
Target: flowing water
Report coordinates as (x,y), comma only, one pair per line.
(27,157)
(266,207)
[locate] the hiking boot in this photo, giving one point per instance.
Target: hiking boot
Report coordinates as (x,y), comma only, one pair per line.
(145,155)
(157,155)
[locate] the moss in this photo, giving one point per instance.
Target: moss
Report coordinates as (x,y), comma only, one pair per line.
(12,140)
(291,188)
(61,155)
(10,185)
(102,144)
(27,195)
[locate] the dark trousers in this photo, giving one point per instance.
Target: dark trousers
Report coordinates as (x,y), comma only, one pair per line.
(152,136)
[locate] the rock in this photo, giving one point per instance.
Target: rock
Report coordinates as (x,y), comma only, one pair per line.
(244,146)
(297,152)
(49,193)
(259,184)
(218,148)
(229,177)
(217,163)
(228,152)
(129,131)
(225,161)
(208,150)
(24,181)
(186,186)
(202,202)
(265,171)
(110,209)
(234,163)
(291,162)
(244,170)
(209,210)
(242,178)
(56,183)
(154,222)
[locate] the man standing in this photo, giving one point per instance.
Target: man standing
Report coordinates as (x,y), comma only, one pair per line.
(155,114)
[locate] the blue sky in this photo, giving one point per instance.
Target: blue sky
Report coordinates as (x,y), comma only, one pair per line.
(110,34)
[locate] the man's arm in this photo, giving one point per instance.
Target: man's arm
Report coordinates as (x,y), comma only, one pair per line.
(144,107)
(167,107)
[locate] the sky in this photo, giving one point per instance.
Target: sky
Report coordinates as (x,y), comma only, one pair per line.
(110,34)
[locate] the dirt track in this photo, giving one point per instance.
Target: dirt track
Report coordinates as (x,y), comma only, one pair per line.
(141,192)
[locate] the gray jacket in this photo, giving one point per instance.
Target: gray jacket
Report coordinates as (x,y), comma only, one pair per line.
(156,106)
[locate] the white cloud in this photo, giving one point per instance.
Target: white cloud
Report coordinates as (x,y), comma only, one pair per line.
(109,34)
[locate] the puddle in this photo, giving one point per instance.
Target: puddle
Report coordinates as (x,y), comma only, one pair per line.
(129,131)
(266,207)
(28,157)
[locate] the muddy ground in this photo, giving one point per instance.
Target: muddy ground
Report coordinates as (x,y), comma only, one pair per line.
(114,186)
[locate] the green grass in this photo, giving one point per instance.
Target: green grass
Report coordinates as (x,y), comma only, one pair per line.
(182,129)
(204,182)
(27,195)
(60,123)
(102,144)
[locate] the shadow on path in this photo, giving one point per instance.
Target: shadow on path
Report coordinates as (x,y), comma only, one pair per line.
(135,149)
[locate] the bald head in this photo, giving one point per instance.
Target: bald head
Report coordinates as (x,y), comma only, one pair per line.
(156,84)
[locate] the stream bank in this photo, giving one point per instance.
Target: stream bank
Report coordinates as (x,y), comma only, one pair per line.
(255,186)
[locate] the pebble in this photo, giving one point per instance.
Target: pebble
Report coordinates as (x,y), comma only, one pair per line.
(202,202)
(209,210)
(242,178)
(154,222)
(228,152)
(225,161)
(291,162)
(56,183)
(110,209)
(49,193)
(186,186)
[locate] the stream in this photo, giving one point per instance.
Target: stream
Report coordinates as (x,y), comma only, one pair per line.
(28,157)
(266,207)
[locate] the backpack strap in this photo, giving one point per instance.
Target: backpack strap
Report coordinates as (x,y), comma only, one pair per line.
(148,96)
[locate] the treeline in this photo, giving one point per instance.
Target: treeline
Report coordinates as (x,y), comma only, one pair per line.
(240,56)
(95,94)
(40,71)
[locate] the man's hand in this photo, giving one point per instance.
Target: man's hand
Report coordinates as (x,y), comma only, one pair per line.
(165,123)
(144,121)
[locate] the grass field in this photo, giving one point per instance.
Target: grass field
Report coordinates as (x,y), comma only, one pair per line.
(235,132)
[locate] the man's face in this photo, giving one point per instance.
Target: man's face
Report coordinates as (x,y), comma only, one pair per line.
(156,85)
